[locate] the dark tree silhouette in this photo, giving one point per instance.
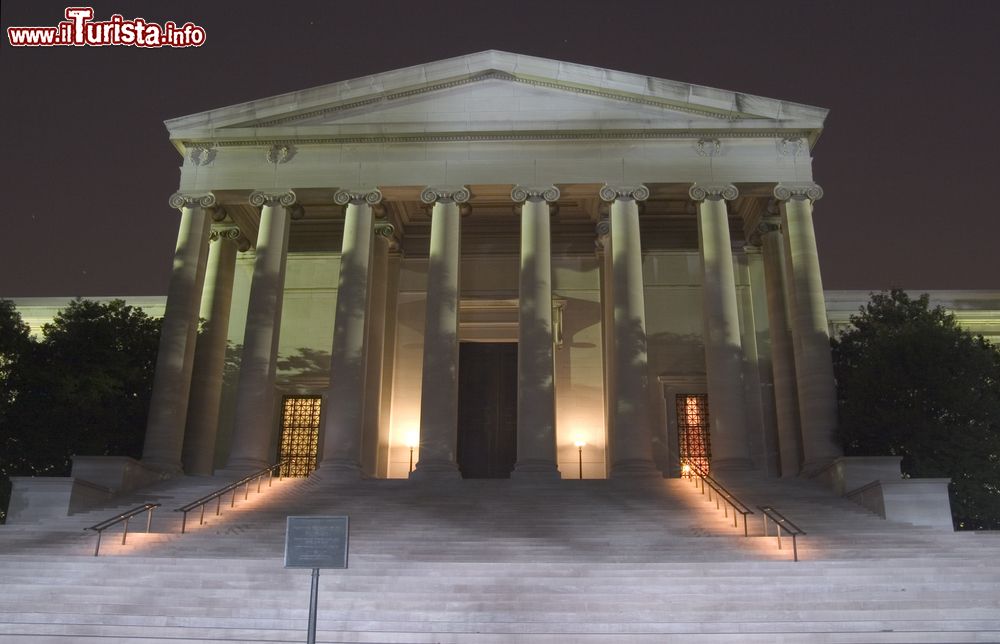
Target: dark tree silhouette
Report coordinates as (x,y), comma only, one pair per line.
(912,383)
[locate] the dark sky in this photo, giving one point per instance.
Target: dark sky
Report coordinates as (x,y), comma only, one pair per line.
(909,160)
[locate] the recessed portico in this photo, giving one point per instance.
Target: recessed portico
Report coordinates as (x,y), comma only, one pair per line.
(615,233)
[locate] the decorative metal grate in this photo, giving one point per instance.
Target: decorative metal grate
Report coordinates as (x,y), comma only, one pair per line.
(299,434)
(692,429)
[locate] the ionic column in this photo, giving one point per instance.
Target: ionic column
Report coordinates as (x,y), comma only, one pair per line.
(633,436)
(378,355)
(813,361)
(210,352)
(603,245)
(253,428)
(782,350)
(439,385)
(172,382)
(342,424)
(723,347)
(536,402)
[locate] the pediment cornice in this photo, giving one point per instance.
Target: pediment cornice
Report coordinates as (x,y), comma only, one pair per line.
(299,116)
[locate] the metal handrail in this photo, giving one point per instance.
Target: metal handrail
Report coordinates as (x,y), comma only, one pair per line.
(783,523)
(232,487)
(124,516)
(721,493)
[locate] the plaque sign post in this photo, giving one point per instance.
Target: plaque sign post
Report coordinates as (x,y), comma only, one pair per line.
(316,542)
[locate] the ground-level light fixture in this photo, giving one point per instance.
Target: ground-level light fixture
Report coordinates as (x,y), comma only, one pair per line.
(579,452)
(412,441)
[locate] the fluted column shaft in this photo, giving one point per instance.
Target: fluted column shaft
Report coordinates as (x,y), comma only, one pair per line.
(782,351)
(536,402)
(343,422)
(254,426)
(439,384)
(813,361)
(210,354)
(172,383)
(633,435)
(723,346)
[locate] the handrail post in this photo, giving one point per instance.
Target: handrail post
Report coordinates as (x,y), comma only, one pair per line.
(795,549)
(98,548)
(149,518)
(184,519)
(218,505)
(778,532)
(125,531)
(202,521)
(232,503)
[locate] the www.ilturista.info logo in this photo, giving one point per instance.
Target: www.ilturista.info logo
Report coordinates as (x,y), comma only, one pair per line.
(80,30)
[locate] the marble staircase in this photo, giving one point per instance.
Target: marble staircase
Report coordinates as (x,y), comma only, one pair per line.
(503,561)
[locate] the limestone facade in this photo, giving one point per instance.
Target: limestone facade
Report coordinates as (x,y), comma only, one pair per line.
(638,238)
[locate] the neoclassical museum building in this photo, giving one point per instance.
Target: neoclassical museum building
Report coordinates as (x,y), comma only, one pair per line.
(496,265)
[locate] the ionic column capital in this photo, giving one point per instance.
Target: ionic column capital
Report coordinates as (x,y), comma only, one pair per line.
(603,230)
(454,194)
(798,191)
(358,196)
(713,192)
(631,193)
(520,194)
(272,198)
(232,233)
(191,200)
(387,231)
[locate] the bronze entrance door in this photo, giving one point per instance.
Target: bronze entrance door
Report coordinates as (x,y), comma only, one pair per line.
(487,409)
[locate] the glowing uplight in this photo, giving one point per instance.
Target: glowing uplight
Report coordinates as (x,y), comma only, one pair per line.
(413,438)
(686,469)
(580,443)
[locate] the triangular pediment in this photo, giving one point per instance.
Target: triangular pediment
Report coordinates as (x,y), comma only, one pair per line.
(495,92)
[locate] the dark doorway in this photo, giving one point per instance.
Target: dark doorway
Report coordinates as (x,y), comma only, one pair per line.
(487,409)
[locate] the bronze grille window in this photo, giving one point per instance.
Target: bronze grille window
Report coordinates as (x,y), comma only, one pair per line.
(692,429)
(299,434)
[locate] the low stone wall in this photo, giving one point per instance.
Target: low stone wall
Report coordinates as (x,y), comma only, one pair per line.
(34,498)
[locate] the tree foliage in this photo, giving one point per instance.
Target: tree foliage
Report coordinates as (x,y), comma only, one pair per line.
(84,388)
(912,383)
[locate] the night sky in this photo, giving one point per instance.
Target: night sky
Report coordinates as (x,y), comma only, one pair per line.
(909,160)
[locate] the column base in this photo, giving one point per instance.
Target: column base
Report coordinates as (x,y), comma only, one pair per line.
(536,471)
(635,469)
(436,471)
(813,468)
(167,468)
(339,472)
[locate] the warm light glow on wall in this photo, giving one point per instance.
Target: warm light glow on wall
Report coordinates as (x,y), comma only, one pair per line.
(412,439)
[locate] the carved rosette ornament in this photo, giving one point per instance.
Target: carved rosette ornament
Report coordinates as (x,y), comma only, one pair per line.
(713,191)
(191,200)
(357,197)
(201,155)
(790,147)
(603,230)
(805,190)
(636,193)
(520,194)
(708,147)
(272,198)
(280,154)
(458,194)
